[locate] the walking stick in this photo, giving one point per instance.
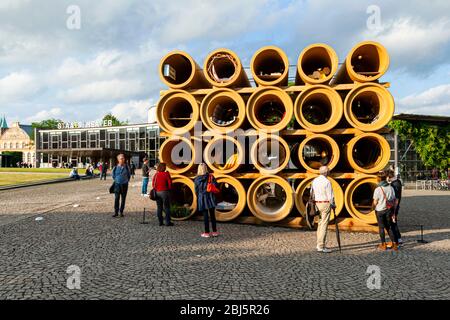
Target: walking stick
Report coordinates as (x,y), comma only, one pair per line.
(338,236)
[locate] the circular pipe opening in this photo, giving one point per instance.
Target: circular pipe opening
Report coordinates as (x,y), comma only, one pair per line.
(369,107)
(183,201)
(367,61)
(358,199)
(317,64)
(231,199)
(270,198)
(177,112)
(177,69)
(316,109)
(178,153)
(223,68)
(269,108)
(223,154)
(318,150)
(368,153)
(270,66)
(223,110)
(270,154)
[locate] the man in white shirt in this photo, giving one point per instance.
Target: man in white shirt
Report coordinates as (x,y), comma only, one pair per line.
(324,199)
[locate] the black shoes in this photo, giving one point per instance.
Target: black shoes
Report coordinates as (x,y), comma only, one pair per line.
(115,215)
(121,215)
(170,224)
(161,224)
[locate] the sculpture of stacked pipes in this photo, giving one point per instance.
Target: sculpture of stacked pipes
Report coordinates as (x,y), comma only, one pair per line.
(265,143)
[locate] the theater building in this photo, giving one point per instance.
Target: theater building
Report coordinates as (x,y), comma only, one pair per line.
(78,145)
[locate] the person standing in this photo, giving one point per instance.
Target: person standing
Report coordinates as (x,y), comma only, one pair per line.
(324,200)
(396,184)
(384,195)
(121,176)
(104,171)
(162,183)
(133,169)
(206,201)
(145,177)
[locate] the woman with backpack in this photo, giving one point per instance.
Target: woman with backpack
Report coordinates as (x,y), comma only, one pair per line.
(384,202)
(205,188)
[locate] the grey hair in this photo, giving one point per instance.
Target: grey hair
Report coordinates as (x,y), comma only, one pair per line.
(324,170)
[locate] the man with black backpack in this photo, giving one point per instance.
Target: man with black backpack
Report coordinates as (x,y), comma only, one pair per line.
(121,175)
(396,184)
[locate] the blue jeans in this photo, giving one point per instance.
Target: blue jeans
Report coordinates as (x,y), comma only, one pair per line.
(144,185)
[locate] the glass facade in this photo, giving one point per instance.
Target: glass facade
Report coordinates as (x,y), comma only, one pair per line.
(79,147)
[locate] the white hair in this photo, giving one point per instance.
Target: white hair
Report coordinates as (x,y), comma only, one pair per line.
(324,170)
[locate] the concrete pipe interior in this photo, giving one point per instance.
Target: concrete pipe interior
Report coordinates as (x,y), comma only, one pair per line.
(317,64)
(223,110)
(317,151)
(223,68)
(270,67)
(177,112)
(270,198)
(303,192)
(178,153)
(270,109)
(182,65)
(369,107)
(368,153)
(270,154)
(231,200)
(318,109)
(223,154)
(183,202)
(367,61)
(358,199)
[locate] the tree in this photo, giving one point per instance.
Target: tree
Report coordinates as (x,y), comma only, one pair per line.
(44,125)
(431,142)
(115,121)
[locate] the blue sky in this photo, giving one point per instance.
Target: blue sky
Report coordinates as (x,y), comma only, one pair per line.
(110,63)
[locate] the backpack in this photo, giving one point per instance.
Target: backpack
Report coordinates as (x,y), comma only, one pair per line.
(389,203)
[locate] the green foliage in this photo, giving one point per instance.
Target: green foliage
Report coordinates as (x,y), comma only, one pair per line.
(115,121)
(44,125)
(431,142)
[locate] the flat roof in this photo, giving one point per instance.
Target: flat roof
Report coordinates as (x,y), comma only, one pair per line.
(419,117)
(140,125)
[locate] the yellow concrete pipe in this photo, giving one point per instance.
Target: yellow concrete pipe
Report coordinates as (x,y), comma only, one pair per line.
(178,153)
(366,62)
(232,192)
(223,110)
(183,73)
(223,154)
(223,68)
(270,198)
(369,107)
(183,198)
(316,64)
(318,150)
(270,67)
(177,112)
(270,154)
(368,153)
(319,108)
(270,109)
(303,191)
(358,199)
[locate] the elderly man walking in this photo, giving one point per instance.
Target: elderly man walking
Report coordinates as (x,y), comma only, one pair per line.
(324,199)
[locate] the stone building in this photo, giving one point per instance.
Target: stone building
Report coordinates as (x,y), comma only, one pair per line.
(15,140)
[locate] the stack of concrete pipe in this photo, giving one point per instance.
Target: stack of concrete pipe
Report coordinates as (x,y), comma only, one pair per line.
(266,142)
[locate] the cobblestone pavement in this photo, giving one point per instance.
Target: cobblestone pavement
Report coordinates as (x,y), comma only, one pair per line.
(123,259)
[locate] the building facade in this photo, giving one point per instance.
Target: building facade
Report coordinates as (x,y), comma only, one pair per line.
(16,144)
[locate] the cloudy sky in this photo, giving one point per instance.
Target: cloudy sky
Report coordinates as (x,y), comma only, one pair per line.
(49,69)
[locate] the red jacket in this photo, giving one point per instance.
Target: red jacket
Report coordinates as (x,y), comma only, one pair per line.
(162,181)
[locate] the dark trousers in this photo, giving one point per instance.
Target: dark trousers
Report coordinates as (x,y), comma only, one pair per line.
(384,222)
(394,225)
(103,175)
(120,193)
(163,203)
(206,214)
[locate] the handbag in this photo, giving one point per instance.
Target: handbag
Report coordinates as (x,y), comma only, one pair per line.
(153,191)
(211,187)
(389,203)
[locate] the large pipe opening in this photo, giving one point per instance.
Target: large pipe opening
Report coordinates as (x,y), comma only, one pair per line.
(183,202)
(223,154)
(223,110)
(270,67)
(358,199)
(316,109)
(270,108)
(270,154)
(231,199)
(316,64)
(368,153)
(270,198)
(224,69)
(317,151)
(369,107)
(177,112)
(178,153)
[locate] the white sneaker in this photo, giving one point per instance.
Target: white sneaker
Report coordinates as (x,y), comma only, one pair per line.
(146,195)
(324,250)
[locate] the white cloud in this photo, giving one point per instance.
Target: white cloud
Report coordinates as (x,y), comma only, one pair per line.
(17,86)
(45,114)
(134,111)
(435,101)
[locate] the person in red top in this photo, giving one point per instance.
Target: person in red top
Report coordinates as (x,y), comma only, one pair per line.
(162,183)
